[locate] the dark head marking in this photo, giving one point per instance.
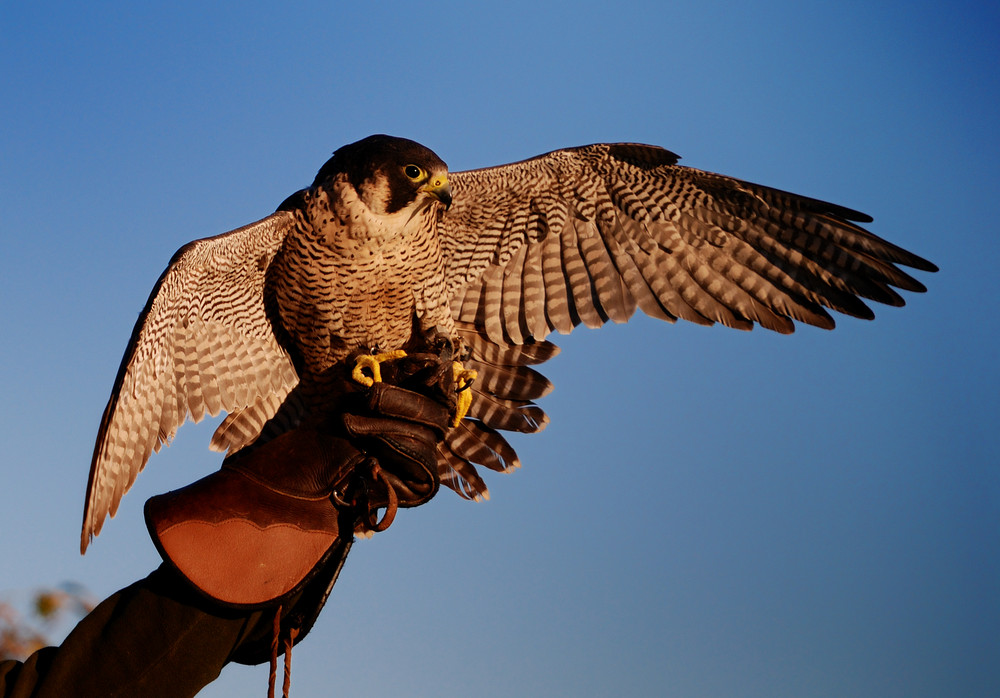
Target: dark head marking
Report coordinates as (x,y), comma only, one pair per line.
(405,165)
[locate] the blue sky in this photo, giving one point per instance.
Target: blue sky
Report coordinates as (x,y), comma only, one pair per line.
(738,514)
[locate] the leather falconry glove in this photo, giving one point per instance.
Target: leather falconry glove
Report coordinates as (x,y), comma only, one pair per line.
(400,428)
(255,532)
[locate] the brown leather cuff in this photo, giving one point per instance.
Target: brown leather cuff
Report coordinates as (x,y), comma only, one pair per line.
(240,543)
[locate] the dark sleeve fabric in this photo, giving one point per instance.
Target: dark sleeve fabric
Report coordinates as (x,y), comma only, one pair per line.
(155,638)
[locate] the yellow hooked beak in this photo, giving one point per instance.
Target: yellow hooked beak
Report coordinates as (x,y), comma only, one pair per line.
(438,187)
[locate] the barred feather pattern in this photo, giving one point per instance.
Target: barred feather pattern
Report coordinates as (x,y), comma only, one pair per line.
(503,400)
(587,235)
(239,320)
(350,280)
(203,344)
(249,321)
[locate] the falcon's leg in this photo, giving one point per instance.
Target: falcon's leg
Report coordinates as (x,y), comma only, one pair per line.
(449,346)
(454,349)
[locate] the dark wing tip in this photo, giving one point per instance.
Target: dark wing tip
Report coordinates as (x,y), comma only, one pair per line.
(922,264)
(642,155)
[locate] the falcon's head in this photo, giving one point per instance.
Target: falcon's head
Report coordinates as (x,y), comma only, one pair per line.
(390,174)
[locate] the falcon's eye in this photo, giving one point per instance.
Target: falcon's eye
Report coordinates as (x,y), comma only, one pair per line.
(415,173)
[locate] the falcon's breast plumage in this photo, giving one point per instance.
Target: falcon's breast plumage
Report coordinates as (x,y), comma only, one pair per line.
(387,248)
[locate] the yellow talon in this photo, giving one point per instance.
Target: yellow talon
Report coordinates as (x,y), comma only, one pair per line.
(371,362)
(463,378)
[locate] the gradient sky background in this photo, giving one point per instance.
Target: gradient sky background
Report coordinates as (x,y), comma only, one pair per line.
(710,513)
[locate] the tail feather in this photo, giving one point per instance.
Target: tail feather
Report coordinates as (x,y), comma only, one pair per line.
(503,397)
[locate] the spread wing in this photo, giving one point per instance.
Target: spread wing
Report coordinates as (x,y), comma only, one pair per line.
(587,235)
(202,344)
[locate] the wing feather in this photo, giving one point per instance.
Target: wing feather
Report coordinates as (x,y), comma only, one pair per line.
(587,235)
(513,306)
(536,323)
(582,285)
(460,475)
(503,396)
(203,344)
(609,227)
(557,296)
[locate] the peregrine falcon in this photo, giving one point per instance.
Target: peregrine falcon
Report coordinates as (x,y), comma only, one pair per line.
(387,248)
